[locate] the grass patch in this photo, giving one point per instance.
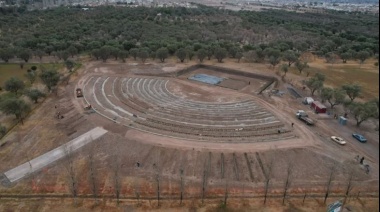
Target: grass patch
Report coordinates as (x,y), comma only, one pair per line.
(339,74)
(8,70)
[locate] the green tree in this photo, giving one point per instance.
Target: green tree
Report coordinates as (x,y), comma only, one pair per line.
(69,65)
(362,56)
(14,106)
(24,54)
(105,52)
(72,51)
(290,57)
(315,83)
(274,61)
(143,54)
(201,54)
(285,69)
(352,91)
(63,55)
(301,66)
(220,54)
(31,76)
(239,55)
(123,55)
(39,53)
(34,94)
(345,56)
(162,54)
(134,53)
(14,85)
(96,53)
(3,131)
(333,96)
(363,111)
(190,52)
(50,78)
(181,53)
(6,54)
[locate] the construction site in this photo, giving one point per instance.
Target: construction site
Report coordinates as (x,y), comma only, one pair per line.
(149,135)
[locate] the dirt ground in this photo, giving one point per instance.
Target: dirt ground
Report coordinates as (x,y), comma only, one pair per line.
(145,157)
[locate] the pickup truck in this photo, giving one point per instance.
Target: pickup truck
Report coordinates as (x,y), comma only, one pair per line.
(302,115)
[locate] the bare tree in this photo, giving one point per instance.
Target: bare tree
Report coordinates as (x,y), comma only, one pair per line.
(182,185)
(93,181)
(331,178)
(288,180)
(349,186)
(268,176)
(71,173)
(116,166)
(205,174)
(226,188)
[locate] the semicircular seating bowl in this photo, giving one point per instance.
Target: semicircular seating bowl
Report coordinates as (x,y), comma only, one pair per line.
(147,104)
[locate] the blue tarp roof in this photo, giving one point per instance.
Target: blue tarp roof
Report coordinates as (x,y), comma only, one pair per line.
(209,79)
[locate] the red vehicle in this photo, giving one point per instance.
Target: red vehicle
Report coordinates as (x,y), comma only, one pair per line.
(318,107)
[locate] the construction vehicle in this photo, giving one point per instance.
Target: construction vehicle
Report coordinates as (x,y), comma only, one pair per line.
(302,115)
(79,92)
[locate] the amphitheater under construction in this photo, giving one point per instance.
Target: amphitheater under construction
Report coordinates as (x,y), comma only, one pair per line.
(188,132)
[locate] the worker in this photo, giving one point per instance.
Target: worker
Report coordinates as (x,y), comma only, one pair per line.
(292,124)
(361,160)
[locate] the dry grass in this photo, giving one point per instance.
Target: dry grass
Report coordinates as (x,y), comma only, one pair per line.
(366,75)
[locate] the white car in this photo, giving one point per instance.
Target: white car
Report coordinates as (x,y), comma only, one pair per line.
(339,140)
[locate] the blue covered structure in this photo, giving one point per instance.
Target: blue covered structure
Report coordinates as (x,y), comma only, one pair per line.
(213,80)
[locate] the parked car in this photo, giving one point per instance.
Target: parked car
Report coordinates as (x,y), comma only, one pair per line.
(338,140)
(359,137)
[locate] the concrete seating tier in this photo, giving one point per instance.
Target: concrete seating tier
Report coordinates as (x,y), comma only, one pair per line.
(147,104)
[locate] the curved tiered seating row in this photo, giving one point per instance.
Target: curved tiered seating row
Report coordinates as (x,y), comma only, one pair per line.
(147,104)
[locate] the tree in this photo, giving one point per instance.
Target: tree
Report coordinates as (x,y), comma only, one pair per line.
(72,51)
(105,52)
(220,54)
(315,83)
(3,131)
(71,172)
(333,96)
(14,85)
(331,57)
(6,54)
(14,106)
(34,94)
(190,52)
(123,55)
(96,53)
(162,54)
(143,54)
(345,56)
(50,78)
(331,178)
(39,53)
(24,54)
(181,53)
(362,56)
(352,90)
(134,52)
(301,66)
(239,55)
(290,57)
(363,111)
(288,180)
(274,61)
(69,65)
(63,55)
(210,53)
(201,54)
(285,68)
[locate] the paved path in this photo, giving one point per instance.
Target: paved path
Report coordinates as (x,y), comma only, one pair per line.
(41,161)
